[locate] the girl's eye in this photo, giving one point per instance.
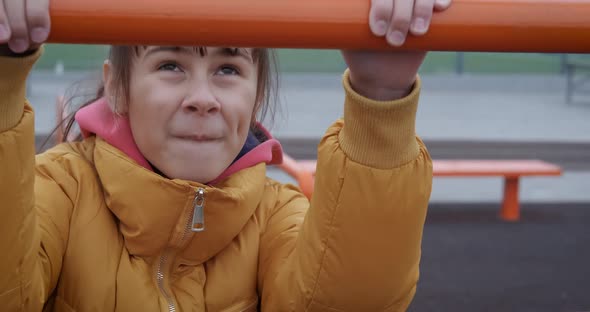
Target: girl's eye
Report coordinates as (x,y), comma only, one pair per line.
(228,70)
(169,66)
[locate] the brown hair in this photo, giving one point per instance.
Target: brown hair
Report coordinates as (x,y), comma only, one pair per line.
(121,58)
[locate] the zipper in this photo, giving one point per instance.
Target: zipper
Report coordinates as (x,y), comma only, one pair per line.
(160,280)
(197,225)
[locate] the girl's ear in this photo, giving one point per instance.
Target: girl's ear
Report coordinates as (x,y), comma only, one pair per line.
(106,72)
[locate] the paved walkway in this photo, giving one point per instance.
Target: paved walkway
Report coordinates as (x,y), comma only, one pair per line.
(503,108)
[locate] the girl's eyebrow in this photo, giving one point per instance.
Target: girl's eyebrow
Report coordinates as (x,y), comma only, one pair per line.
(226,51)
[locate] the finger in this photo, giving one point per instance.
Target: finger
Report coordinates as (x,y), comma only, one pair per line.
(400,22)
(422,16)
(380,15)
(38,20)
(15,11)
(441,5)
(4,29)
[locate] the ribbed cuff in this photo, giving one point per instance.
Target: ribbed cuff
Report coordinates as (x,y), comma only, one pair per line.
(379,134)
(13,76)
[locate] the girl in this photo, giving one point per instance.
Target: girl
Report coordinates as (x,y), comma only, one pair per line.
(164,204)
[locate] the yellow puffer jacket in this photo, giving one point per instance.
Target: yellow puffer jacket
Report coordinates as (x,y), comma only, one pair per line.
(84,228)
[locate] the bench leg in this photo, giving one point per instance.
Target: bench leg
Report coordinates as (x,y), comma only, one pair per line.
(510,205)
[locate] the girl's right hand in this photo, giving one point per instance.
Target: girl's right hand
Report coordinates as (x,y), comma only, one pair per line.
(24,25)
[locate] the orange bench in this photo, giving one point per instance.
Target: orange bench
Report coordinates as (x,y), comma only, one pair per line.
(511,170)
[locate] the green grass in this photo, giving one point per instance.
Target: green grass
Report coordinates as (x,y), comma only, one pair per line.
(301,60)
(89,57)
(499,63)
(74,57)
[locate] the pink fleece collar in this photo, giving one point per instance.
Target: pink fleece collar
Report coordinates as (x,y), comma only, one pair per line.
(98,119)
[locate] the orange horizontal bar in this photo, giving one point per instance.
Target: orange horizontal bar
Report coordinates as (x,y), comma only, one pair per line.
(469,25)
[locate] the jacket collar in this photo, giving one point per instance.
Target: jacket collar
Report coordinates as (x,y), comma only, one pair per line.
(154,212)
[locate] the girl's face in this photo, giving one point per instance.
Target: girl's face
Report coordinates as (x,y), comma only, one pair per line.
(190,109)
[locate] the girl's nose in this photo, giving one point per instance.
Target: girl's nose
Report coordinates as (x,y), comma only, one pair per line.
(201,100)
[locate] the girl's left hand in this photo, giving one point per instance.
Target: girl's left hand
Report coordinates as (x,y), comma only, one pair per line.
(387,75)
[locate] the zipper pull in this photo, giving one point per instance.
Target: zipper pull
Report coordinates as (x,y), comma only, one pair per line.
(198,213)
